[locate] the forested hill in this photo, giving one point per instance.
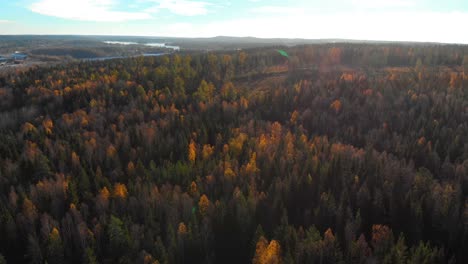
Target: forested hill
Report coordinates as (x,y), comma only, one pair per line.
(343,153)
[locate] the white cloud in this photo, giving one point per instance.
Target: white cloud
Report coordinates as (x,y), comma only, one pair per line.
(373,4)
(392,26)
(182,7)
(5,21)
(85,10)
(278,10)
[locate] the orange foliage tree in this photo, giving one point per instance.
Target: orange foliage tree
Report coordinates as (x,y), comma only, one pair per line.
(192,152)
(204,205)
(267,253)
(120,191)
(336,106)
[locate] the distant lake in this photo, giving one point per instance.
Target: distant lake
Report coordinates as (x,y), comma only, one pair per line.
(162,45)
(120,43)
(158,45)
(124,57)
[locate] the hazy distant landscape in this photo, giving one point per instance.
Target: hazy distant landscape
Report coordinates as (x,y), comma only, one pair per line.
(44,49)
(47,50)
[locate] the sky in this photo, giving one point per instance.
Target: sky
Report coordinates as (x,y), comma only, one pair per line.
(395,20)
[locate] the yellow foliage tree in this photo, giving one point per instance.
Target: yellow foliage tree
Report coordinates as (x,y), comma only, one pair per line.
(260,249)
(228,91)
(29,209)
(207,151)
(251,167)
(205,91)
(75,159)
(276,132)
(148,259)
(182,230)
(55,234)
(130,168)
(193,188)
(455,81)
(111,151)
(48,126)
(328,236)
(382,238)
(294,117)
(267,253)
(203,205)
(28,127)
(263,142)
(229,173)
(104,193)
(120,190)
(272,254)
(336,106)
(244,103)
(347,77)
(192,152)
(236,144)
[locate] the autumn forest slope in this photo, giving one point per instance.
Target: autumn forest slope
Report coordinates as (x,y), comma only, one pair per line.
(343,153)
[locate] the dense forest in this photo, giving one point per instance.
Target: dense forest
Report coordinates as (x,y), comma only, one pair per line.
(337,153)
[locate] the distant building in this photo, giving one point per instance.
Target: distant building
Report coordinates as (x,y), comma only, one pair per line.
(19,57)
(3,60)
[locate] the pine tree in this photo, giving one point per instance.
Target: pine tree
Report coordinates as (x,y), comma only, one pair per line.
(55,250)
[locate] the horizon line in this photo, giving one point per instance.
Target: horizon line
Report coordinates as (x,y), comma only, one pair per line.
(335,40)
